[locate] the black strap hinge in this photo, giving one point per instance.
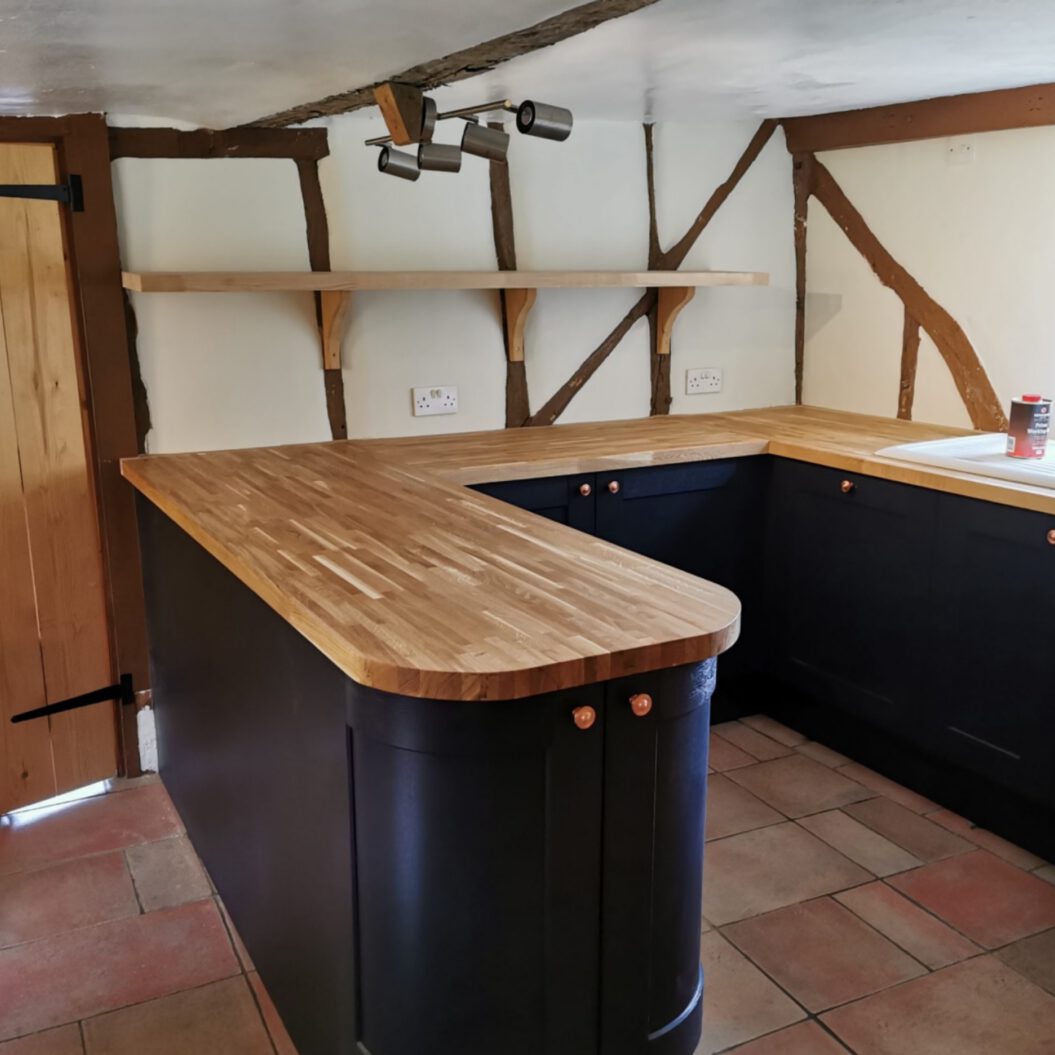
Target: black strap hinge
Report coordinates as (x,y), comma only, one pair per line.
(70,193)
(122,691)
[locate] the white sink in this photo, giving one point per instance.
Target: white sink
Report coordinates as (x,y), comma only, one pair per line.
(983,455)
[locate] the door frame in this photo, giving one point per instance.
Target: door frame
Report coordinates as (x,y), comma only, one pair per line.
(82,147)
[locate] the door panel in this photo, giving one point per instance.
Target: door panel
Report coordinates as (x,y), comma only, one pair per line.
(49,417)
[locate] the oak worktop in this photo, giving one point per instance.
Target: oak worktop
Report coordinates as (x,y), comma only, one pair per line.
(410,582)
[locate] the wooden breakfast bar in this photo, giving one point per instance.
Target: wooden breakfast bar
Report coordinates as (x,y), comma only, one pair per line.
(445,759)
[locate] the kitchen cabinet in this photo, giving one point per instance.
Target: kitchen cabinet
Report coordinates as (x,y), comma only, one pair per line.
(995,664)
(850,592)
(566,499)
(426,876)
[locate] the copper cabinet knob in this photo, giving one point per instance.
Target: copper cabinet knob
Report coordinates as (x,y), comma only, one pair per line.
(584,717)
(585,490)
(1051,537)
(847,487)
(641,704)
(613,487)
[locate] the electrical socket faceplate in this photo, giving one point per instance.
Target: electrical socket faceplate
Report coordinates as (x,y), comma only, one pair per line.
(703,381)
(442,399)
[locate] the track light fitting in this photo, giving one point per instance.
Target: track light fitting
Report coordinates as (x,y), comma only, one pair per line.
(405,108)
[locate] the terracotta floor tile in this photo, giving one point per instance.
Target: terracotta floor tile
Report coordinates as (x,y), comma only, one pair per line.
(66,1040)
(96,969)
(108,822)
(979,1007)
(807,1038)
(797,785)
(236,939)
(275,1026)
(1034,957)
(751,741)
(217,1019)
(722,755)
(732,809)
(822,954)
(907,925)
(774,730)
(769,868)
(167,872)
(987,840)
(739,1001)
(819,753)
(868,848)
(987,899)
(63,897)
(885,786)
(928,841)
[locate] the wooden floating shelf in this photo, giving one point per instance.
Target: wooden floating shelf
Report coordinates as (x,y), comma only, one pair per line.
(340,281)
(518,289)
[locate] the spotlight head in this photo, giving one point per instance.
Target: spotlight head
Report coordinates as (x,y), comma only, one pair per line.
(543,120)
(439,157)
(428,120)
(398,163)
(484,142)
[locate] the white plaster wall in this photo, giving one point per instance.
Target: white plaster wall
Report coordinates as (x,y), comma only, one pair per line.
(979,237)
(225,370)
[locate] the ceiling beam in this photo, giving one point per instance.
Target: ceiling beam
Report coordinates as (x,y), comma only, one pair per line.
(301,144)
(953,115)
(465,63)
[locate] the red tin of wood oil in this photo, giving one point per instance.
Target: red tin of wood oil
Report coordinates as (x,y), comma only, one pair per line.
(1027,434)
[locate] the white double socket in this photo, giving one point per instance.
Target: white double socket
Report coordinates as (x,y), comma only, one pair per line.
(440,399)
(703,380)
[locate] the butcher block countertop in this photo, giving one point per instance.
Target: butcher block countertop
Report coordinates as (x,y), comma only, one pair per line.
(410,582)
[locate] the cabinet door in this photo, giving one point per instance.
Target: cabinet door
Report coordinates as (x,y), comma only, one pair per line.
(706,518)
(655,778)
(996,598)
(478,873)
(566,499)
(850,591)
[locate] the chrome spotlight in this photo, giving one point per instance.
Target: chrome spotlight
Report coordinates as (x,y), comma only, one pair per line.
(543,120)
(398,163)
(439,157)
(428,120)
(484,142)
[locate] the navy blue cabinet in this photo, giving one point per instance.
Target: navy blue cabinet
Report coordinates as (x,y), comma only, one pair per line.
(850,592)
(566,499)
(995,667)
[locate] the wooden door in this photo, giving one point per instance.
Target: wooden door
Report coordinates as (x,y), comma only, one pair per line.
(54,635)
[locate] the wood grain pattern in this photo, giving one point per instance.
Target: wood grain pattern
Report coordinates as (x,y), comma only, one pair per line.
(292,281)
(27,772)
(407,581)
(953,115)
(518,305)
(335,307)
(50,414)
(967,372)
(906,394)
(669,304)
(401,107)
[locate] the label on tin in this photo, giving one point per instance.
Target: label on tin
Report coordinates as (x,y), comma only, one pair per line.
(1027,434)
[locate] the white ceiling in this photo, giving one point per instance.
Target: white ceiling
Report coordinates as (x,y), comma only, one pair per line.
(226,61)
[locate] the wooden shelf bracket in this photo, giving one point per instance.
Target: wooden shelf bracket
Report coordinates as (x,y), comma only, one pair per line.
(671,299)
(335,307)
(518,304)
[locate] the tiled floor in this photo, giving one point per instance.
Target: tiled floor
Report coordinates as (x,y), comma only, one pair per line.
(842,913)
(112,939)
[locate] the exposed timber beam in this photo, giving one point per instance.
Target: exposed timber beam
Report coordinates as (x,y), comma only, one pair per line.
(299,144)
(467,62)
(952,115)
